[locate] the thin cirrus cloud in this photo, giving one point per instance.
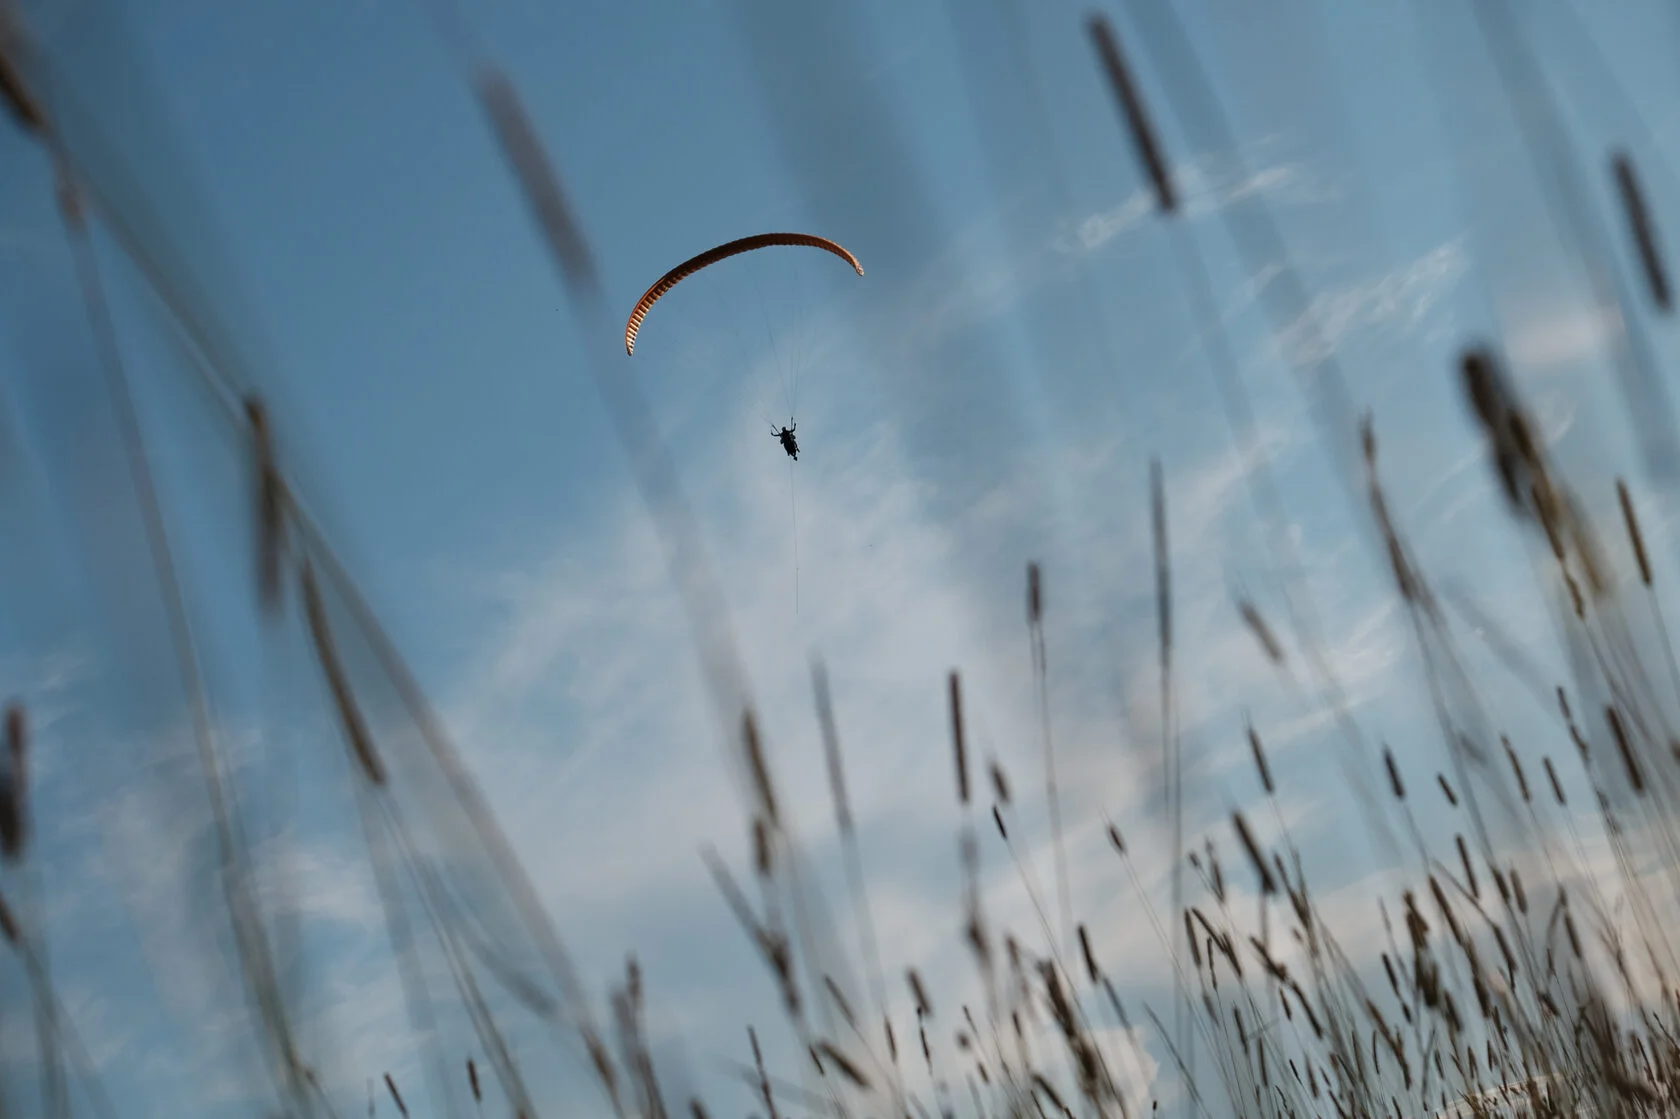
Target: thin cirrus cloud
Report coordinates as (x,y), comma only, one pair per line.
(973,280)
(1207,184)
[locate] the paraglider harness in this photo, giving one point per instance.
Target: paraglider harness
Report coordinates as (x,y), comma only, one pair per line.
(789,443)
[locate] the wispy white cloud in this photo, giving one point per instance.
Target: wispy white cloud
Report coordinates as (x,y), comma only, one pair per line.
(1389,305)
(1207,185)
(597,744)
(1545,342)
(975,279)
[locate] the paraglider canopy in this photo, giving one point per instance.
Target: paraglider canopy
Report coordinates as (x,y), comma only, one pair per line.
(723,252)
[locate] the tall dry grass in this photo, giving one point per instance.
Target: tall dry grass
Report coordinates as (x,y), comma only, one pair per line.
(1507,981)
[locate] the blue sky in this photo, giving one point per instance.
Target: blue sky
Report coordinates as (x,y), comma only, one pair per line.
(990,392)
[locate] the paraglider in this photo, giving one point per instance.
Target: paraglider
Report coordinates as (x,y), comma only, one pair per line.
(711,256)
(638,315)
(789,443)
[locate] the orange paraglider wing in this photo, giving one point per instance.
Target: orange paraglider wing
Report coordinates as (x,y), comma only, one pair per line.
(723,252)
